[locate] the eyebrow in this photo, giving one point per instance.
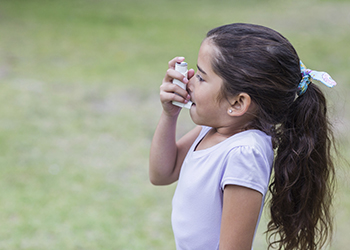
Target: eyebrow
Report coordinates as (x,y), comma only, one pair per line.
(201,70)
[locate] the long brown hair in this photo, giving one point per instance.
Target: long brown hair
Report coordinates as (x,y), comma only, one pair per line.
(262,63)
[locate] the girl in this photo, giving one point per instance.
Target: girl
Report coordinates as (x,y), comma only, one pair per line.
(256,109)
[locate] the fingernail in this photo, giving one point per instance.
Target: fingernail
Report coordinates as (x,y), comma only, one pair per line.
(185,80)
(181,58)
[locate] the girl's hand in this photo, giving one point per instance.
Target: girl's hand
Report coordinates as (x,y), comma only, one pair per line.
(171,92)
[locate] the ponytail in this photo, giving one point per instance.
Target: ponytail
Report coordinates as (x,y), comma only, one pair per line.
(302,185)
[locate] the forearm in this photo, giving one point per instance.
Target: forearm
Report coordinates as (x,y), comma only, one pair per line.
(163,153)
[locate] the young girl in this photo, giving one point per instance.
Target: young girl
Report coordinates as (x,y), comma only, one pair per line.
(256,109)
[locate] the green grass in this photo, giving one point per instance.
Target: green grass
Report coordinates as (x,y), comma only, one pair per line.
(79,88)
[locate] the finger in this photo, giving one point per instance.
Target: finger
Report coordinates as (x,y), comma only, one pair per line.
(172,74)
(170,97)
(171,63)
(173,88)
(176,93)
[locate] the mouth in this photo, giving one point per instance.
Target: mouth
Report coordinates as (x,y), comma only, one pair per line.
(188,105)
(192,101)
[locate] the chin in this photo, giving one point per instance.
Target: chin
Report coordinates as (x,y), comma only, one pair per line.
(198,121)
(194,117)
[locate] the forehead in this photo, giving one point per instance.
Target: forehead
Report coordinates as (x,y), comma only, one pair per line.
(206,52)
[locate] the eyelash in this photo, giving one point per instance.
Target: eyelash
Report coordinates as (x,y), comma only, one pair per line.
(199,78)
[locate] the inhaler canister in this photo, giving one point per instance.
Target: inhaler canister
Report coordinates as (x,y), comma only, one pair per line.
(182,68)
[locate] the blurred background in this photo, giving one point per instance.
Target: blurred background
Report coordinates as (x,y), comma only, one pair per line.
(79,85)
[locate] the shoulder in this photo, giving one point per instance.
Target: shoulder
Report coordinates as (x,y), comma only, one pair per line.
(250,141)
(252,144)
(249,161)
(252,138)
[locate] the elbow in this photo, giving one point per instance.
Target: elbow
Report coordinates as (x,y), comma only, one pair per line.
(159,181)
(155,181)
(160,178)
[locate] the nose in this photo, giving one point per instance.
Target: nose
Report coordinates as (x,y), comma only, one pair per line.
(190,85)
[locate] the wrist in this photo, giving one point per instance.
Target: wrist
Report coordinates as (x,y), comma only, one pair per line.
(171,115)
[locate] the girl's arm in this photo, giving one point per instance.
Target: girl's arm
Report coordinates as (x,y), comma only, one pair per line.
(167,155)
(241,208)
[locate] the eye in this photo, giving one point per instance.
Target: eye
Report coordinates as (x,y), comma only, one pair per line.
(199,78)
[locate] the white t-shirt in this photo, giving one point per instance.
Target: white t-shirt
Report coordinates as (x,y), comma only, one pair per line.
(244,159)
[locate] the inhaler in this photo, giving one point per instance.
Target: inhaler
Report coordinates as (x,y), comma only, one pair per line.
(182,68)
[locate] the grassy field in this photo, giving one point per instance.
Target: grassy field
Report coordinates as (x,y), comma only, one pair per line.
(79,88)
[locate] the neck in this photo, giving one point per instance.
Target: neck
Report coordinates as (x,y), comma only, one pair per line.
(226,132)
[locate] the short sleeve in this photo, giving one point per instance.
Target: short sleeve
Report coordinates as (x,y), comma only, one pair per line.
(249,167)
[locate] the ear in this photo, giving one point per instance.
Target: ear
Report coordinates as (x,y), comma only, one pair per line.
(239,104)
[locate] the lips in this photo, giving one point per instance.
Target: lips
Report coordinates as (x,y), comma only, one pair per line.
(193,103)
(191,99)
